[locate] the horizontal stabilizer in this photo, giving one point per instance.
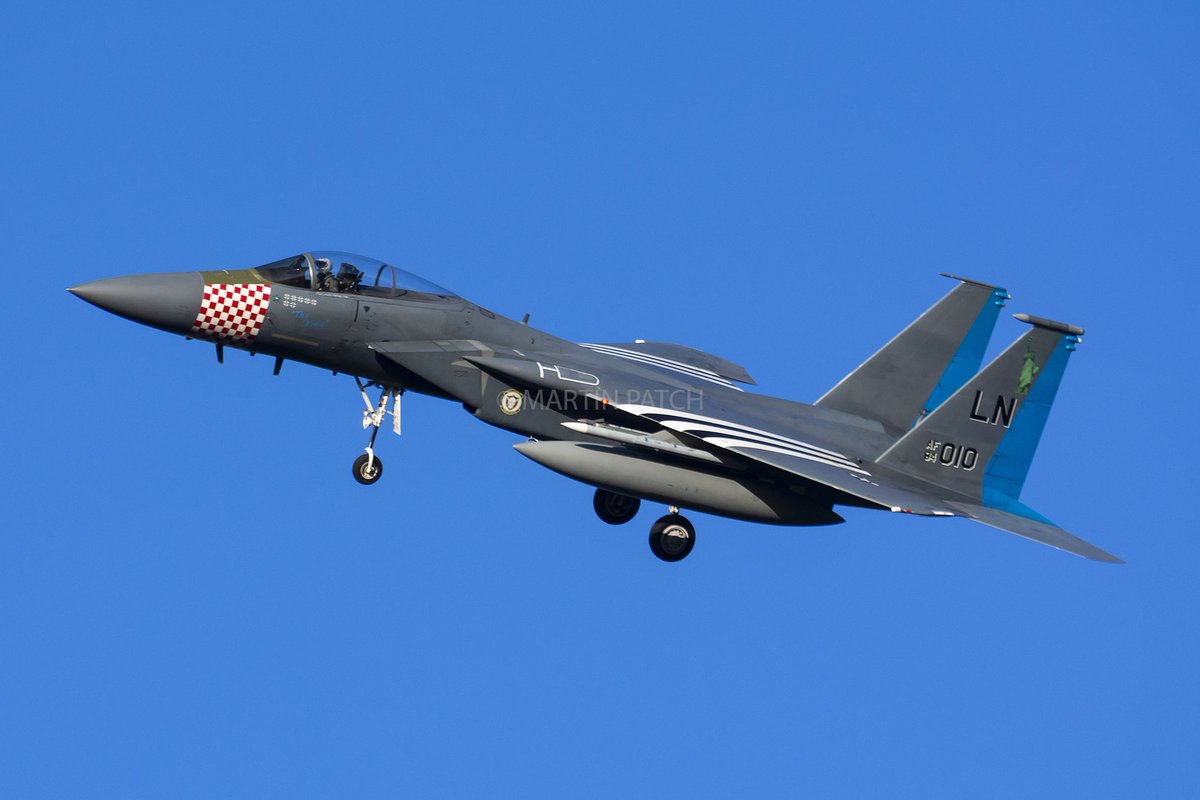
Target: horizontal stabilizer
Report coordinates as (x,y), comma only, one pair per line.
(1038,531)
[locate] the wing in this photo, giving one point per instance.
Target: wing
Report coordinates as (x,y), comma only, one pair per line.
(869,482)
(754,441)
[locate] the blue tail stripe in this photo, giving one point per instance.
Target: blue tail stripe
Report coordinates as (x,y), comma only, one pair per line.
(1006,472)
(997,500)
(969,357)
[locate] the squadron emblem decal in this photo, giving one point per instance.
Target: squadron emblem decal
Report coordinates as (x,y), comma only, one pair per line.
(511,401)
(1029,371)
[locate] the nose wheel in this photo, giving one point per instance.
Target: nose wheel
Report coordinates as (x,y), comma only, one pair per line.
(672,537)
(368,467)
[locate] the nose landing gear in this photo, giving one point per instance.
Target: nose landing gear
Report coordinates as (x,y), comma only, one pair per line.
(368,468)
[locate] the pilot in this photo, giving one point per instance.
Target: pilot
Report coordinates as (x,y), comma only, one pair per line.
(348,277)
(326,282)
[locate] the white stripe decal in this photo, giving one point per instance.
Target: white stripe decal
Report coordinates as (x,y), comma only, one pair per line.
(733,444)
(798,447)
(762,436)
(736,426)
(673,365)
(665,361)
(764,440)
(688,372)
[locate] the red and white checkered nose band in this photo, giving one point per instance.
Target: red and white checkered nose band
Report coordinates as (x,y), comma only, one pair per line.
(232,312)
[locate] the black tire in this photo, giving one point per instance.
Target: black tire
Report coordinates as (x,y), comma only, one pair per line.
(613,508)
(362,475)
(672,538)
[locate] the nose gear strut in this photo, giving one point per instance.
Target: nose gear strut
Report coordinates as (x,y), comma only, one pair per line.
(368,467)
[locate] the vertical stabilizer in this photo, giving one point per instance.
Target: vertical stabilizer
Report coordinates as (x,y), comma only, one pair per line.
(981,441)
(926,362)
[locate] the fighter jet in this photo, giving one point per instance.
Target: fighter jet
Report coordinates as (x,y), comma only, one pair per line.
(918,428)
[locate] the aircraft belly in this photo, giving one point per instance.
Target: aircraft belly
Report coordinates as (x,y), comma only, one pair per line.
(626,471)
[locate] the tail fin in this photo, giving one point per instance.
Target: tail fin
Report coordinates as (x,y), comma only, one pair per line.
(981,441)
(926,362)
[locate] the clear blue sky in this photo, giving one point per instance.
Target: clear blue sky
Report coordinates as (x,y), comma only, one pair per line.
(196,600)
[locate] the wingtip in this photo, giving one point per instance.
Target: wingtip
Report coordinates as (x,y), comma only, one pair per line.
(1087,550)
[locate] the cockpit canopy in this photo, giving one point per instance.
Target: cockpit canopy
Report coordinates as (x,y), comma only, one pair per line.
(346,273)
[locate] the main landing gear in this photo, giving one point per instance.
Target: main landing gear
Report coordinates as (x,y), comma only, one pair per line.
(613,508)
(368,467)
(671,538)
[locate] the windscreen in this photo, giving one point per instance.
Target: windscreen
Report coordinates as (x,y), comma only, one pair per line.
(348,273)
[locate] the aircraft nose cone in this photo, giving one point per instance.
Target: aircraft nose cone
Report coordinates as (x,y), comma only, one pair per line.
(167,300)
